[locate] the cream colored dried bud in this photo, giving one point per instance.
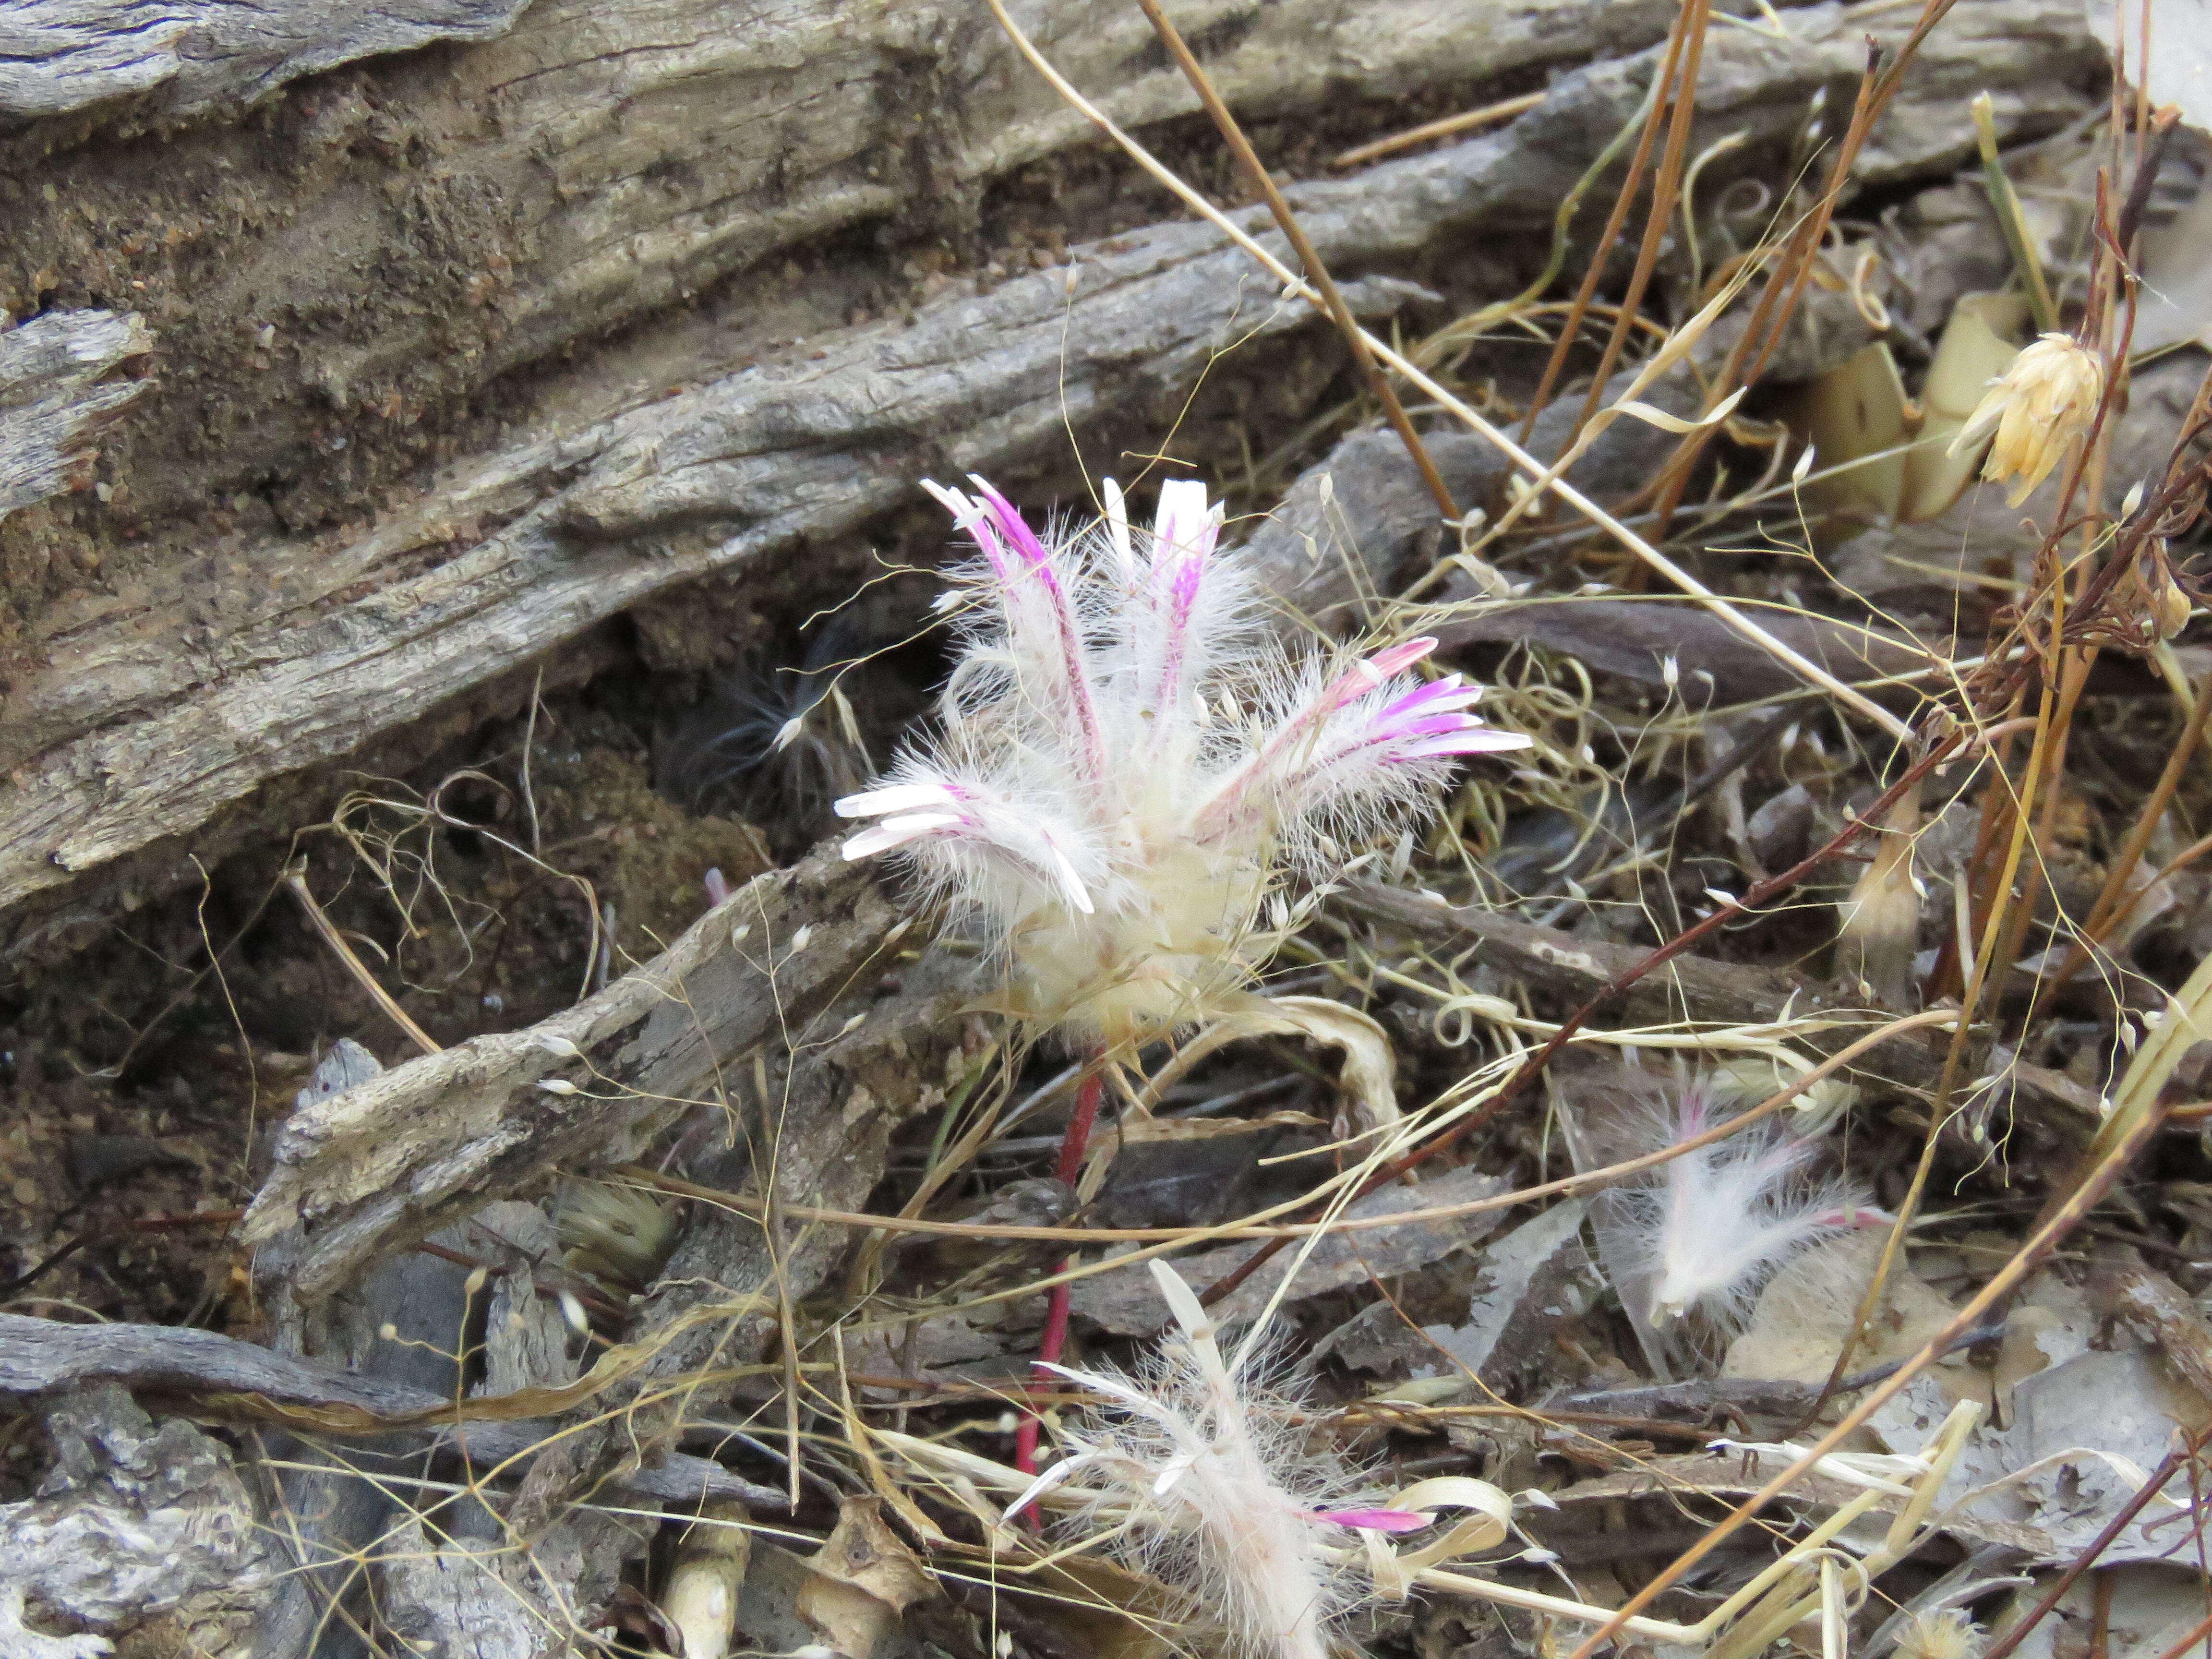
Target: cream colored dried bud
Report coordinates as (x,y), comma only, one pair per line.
(2039,408)
(1878,928)
(700,1596)
(617,1235)
(2165,607)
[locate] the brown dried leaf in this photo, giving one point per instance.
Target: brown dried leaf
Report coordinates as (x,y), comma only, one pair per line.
(860,1581)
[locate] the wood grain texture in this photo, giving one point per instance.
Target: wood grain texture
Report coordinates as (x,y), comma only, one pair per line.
(133,1520)
(53,396)
(172,59)
(748,468)
(373,1169)
(334,283)
(869,1062)
(41,1355)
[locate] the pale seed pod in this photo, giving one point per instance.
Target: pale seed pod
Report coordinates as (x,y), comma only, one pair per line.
(1878,928)
(701,1596)
(2165,607)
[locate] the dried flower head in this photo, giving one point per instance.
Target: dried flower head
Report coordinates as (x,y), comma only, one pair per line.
(1718,1220)
(1209,1493)
(1947,1633)
(617,1235)
(2039,408)
(2149,590)
(1126,762)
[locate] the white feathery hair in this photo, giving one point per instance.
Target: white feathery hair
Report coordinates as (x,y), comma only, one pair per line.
(1197,1488)
(1125,762)
(1713,1225)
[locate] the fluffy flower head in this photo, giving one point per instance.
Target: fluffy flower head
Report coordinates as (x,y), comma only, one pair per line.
(1217,1497)
(2039,408)
(1124,760)
(1719,1220)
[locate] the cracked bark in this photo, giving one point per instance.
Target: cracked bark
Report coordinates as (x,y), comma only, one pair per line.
(128,743)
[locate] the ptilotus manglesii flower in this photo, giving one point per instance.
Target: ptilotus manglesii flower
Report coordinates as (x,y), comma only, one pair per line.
(1126,763)
(1189,1473)
(1717,1222)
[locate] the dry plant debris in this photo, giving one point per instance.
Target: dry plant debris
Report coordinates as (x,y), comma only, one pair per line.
(1706,1155)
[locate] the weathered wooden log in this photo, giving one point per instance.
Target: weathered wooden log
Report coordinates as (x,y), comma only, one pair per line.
(333,282)
(41,1355)
(132,1521)
(168,61)
(373,1169)
(53,398)
(141,726)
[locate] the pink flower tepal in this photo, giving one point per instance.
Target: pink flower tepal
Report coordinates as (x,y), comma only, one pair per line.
(1373,1520)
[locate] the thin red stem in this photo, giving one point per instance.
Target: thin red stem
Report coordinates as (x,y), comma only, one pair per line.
(1073,1146)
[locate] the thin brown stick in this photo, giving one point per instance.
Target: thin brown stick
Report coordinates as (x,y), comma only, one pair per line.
(1985,972)
(1556,364)
(1259,1225)
(1527,465)
(1778,303)
(2073,673)
(296,880)
(1666,189)
(2087,1558)
(1949,977)
(2203,1630)
(1506,109)
(1301,245)
(2108,911)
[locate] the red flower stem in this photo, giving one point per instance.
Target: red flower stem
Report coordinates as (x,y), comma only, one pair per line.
(1073,1145)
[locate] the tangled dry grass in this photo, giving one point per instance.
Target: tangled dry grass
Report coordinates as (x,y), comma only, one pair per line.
(1819,992)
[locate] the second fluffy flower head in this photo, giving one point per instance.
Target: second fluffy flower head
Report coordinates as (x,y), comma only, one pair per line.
(1126,760)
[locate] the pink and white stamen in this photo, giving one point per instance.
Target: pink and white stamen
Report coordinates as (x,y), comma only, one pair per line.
(1126,763)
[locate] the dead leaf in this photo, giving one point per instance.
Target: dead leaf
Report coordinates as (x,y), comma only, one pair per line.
(1111,1613)
(1853,413)
(860,1581)
(2085,1435)
(1531,1278)
(1368,1072)
(1975,347)
(1803,1314)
